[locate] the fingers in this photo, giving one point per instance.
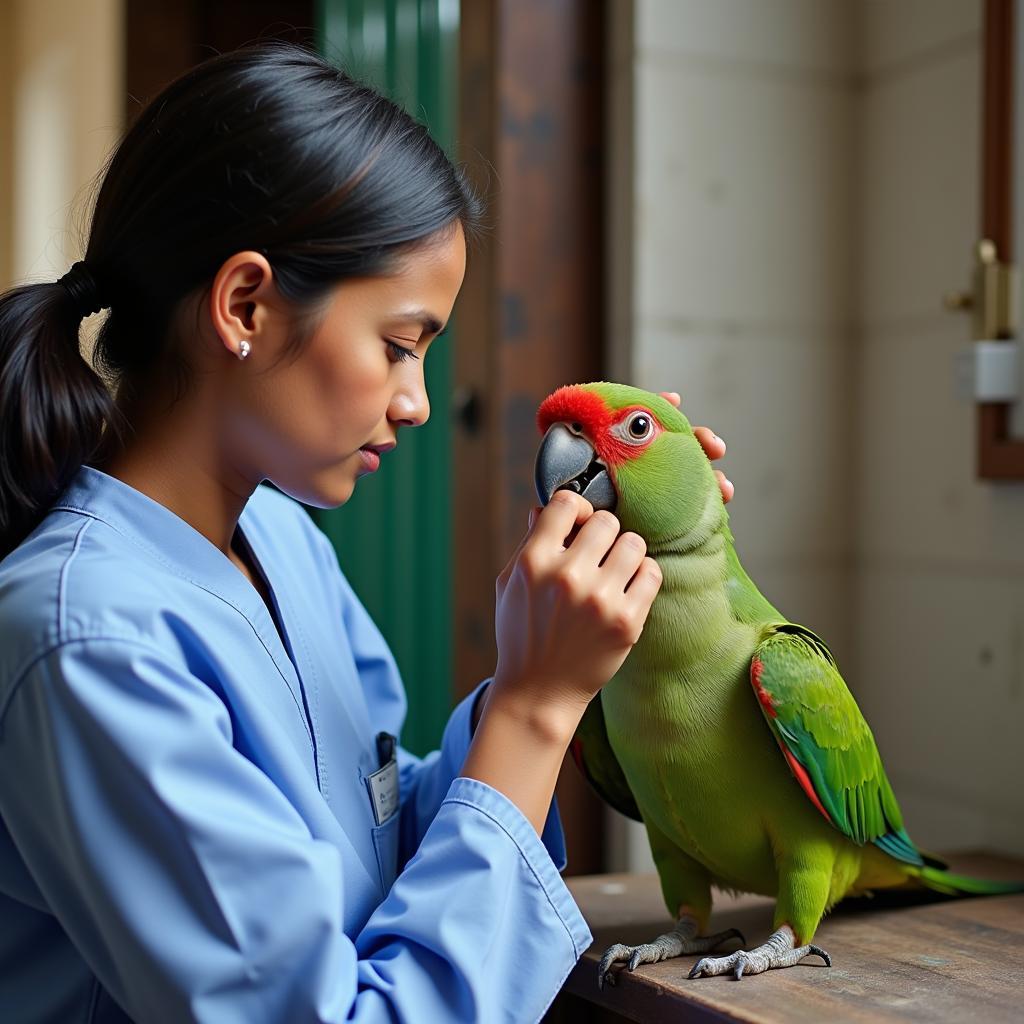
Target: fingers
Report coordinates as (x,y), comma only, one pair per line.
(565,510)
(624,559)
(596,536)
(503,577)
(713,445)
(671,396)
(644,587)
(725,485)
(714,448)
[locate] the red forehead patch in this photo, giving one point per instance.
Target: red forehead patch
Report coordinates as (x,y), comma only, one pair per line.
(573,404)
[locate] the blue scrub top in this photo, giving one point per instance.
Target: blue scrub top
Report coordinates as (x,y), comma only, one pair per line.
(186,832)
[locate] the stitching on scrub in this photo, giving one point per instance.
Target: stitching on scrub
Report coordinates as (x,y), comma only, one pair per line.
(62,579)
(128,638)
(23,670)
(94,1001)
(206,590)
(526,857)
(296,621)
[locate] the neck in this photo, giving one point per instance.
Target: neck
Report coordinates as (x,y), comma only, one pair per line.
(169,458)
(692,612)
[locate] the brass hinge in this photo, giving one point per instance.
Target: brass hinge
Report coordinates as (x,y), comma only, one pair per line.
(993,297)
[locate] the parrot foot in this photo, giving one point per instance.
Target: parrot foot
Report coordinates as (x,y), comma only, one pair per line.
(682,939)
(778,951)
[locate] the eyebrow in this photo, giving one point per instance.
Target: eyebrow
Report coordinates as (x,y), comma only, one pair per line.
(427,320)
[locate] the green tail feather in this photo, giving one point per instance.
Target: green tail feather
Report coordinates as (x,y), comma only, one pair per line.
(964,885)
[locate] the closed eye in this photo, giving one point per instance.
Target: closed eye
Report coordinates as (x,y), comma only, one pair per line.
(400,352)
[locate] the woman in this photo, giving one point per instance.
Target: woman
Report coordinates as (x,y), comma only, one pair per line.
(204,815)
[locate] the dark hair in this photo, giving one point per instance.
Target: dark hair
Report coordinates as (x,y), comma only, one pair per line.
(269,147)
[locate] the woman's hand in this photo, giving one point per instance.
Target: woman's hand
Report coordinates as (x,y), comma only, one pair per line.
(569,609)
(713,445)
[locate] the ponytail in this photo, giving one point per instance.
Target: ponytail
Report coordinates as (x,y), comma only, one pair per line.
(53,405)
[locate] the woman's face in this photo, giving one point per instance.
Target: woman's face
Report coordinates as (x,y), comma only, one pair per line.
(306,423)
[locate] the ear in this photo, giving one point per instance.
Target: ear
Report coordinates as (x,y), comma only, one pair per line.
(240,299)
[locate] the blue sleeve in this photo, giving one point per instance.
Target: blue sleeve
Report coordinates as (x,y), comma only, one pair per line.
(424,781)
(196,892)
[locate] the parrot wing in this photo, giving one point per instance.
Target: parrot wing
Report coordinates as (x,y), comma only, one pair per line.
(825,739)
(595,758)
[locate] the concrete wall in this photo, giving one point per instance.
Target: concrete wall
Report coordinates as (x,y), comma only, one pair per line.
(794,186)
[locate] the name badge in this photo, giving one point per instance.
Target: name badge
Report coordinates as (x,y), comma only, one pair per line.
(383,787)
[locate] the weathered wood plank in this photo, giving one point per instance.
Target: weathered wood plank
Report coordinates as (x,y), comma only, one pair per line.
(895,958)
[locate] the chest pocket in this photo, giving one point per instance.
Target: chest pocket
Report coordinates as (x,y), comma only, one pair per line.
(384,799)
(385,843)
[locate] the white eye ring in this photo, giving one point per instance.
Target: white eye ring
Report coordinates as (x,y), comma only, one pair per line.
(639,417)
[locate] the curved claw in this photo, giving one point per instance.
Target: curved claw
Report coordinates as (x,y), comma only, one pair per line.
(818,951)
(604,968)
(696,968)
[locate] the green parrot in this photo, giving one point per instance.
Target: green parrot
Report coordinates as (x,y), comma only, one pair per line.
(728,731)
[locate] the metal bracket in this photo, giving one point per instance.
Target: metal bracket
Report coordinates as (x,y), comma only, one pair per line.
(993,298)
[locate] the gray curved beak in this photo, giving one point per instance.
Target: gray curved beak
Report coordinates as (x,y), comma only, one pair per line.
(567,461)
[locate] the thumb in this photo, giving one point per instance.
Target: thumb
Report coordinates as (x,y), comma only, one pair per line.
(505,573)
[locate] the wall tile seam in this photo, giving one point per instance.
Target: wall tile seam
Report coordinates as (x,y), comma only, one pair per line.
(734,322)
(715,66)
(905,325)
(919,62)
(854,82)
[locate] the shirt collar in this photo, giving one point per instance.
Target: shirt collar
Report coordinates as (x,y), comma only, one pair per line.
(164,535)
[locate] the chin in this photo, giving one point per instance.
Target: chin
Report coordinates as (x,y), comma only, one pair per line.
(326,490)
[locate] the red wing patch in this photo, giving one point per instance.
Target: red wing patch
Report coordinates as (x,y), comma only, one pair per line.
(805,782)
(756,668)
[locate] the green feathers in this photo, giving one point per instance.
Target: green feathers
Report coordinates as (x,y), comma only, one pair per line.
(729,730)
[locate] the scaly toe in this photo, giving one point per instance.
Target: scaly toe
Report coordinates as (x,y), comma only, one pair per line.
(647,953)
(613,954)
(709,966)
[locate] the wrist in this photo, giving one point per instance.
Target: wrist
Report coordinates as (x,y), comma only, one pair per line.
(548,722)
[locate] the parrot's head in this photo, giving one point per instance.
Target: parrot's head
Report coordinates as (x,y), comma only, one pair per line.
(633,453)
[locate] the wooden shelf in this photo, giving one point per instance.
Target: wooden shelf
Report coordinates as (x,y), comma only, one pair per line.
(895,958)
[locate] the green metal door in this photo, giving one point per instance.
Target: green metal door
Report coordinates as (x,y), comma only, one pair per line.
(393,537)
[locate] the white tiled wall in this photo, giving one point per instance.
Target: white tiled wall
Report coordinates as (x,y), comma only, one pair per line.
(940,556)
(794,186)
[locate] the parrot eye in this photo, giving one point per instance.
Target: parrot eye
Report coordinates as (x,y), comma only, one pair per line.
(639,426)
(576,428)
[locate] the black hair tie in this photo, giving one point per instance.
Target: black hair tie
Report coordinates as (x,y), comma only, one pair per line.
(84,289)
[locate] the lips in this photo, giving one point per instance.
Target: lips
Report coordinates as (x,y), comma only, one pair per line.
(370,459)
(370,454)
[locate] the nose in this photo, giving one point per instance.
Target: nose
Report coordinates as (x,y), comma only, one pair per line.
(409,405)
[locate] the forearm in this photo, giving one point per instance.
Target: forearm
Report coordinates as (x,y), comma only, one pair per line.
(518,751)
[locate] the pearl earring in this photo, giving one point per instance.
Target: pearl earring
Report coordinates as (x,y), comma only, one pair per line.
(243,349)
